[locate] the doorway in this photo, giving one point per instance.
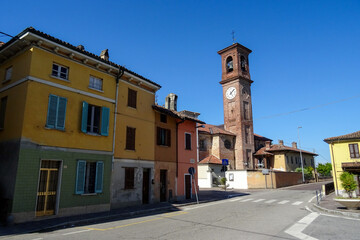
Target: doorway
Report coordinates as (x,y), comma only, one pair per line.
(48,187)
(188,186)
(146,186)
(163,176)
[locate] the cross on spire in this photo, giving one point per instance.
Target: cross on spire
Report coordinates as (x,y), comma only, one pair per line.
(233,36)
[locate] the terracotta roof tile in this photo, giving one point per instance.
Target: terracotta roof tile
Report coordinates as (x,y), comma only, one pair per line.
(212,129)
(279,148)
(350,136)
(211,159)
(175,114)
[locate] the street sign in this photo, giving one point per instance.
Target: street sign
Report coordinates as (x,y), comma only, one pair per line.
(191,170)
(265,171)
(225,162)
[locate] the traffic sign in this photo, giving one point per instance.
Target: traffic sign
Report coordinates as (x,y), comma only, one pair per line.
(191,170)
(225,162)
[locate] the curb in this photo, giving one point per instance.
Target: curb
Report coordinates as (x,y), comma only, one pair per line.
(338,213)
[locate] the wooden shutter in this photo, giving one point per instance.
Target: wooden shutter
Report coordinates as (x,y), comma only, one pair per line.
(187,141)
(129,178)
(132,95)
(61,113)
(130,138)
(352,150)
(85,107)
(158,130)
(356,150)
(99,177)
(168,137)
(80,177)
(52,110)
(105,114)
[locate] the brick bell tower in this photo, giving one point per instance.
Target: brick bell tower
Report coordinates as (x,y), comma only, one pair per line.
(236,83)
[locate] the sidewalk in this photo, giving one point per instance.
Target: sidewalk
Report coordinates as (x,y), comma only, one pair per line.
(205,195)
(329,206)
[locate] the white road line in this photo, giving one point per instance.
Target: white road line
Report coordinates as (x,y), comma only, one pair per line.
(271,201)
(235,199)
(37,239)
(297,203)
(76,232)
(246,200)
(259,200)
(283,202)
(296,229)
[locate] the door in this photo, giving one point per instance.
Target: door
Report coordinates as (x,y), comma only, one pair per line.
(163,176)
(187,186)
(146,186)
(47,190)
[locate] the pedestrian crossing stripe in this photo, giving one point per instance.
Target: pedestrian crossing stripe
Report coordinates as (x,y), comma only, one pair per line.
(271,201)
(259,200)
(265,201)
(283,202)
(297,203)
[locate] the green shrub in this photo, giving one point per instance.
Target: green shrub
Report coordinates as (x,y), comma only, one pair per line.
(348,183)
(223,181)
(307,173)
(324,169)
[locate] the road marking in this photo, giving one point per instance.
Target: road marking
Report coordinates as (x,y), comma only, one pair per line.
(271,201)
(296,229)
(259,200)
(76,232)
(204,205)
(283,202)
(235,199)
(246,200)
(37,239)
(297,203)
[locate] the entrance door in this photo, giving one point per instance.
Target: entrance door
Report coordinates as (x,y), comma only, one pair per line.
(187,186)
(146,186)
(47,190)
(163,175)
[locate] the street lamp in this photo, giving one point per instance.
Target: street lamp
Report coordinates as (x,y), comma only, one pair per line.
(301,159)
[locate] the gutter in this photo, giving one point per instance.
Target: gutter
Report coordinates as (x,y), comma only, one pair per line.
(119,75)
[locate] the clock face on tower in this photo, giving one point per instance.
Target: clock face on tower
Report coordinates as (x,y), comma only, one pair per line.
(230,93)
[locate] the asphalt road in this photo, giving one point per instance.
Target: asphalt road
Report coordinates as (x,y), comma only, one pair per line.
(267,214)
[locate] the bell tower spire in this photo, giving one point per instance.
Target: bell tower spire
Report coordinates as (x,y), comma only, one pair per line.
(236,83)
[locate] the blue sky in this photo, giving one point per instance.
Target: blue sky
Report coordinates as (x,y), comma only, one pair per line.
(305,54)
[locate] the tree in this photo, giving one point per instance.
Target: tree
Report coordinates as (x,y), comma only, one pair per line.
(324,169)
(307,172)
(348,183)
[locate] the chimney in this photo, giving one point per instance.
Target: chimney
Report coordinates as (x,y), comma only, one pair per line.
(281,143)
(105,54)
(268,145)
(171,102)
(81,47)
(294,145)
(1,43)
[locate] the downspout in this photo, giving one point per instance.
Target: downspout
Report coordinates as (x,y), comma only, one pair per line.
(118,76)
(334,167)
(177,156)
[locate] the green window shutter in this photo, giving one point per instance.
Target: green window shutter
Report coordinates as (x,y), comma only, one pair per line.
(80,177)
(61,112)
(52,111)
(105,114)
(99,177)
(85,106)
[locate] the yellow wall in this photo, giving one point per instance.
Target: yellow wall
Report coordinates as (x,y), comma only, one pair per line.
(20,67)
(340,153)
(279,161)
(142,118)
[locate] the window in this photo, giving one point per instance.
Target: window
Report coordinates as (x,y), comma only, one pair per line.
(163,118)
(287,159)
(229,64)
(202,145)
(243,63)
(187,141)
(129,177)
(89,177)
(130,138)
(2,112)
(296,160)
(354,150)
(246,110)
(8,74)
(227,144)
(95,119)
(304,159)
(56,112)
(96,83)
(163,137)
(247,134)
(60,71)
(132,98)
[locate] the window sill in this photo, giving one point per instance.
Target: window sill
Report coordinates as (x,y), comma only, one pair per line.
(93,134)
(51,128)
(96,89)
(131,150)
(58,78)
(134,108)
(164,146)
(90,194)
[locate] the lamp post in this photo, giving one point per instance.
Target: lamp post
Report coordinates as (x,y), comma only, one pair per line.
(301,159)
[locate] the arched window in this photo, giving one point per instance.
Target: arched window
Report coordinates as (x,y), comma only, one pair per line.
(243,63)
(229,64)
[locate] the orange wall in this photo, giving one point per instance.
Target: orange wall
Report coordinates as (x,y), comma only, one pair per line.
(165,153)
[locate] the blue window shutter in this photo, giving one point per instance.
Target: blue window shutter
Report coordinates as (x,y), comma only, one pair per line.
(52,111)
(85,106)
(105,114)
(61,112)
(99,177)
(80,177)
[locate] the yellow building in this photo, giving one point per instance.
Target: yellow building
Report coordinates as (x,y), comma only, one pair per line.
(57,119)
(344,151)
(283,158)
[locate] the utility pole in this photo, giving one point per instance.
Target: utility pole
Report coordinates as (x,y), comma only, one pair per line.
(301,159)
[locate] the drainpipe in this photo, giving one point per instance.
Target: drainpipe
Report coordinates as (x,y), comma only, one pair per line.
(118,76)
(177,155)
(334,167)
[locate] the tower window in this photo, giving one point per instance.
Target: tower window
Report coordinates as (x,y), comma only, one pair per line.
(227,144)
(243,63)
(229,64)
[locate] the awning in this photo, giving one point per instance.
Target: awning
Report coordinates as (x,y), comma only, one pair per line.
(352,167)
